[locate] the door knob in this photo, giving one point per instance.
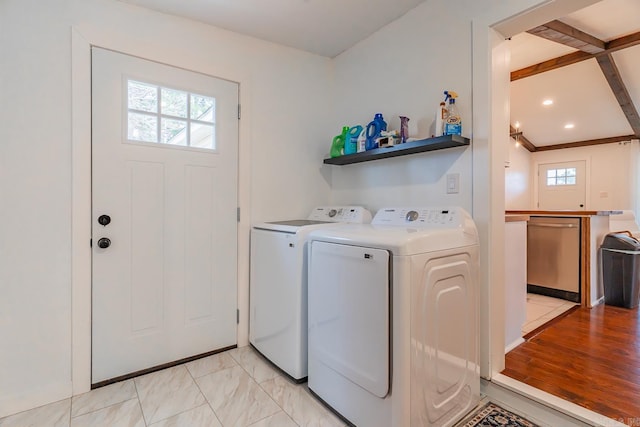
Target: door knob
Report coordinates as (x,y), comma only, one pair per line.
(104,243)
(104,220)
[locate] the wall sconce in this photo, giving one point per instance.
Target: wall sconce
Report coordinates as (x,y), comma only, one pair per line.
(516,133)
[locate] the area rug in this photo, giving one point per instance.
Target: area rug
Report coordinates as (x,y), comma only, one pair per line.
(492,415)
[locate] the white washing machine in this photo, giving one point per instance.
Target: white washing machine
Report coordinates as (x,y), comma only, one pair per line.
(393,318)
(278,285)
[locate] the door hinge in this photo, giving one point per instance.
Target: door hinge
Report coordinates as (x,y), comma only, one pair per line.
(237,316)
(238,213)
(90,243)
(239,110)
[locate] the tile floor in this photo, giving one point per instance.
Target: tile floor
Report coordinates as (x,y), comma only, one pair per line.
(541,309)
(236,388)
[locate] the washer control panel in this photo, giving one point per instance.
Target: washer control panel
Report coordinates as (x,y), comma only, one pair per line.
(449,217)
(351,214)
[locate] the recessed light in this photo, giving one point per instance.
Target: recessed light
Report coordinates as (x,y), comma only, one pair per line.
(569,126)
(547,102)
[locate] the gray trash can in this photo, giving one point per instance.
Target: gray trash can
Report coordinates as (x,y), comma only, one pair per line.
(620,257)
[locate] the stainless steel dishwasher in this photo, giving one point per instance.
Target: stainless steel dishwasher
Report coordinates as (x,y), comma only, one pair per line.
(553,257)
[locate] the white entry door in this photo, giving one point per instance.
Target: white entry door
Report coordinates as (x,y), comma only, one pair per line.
(562,186)
(164,184)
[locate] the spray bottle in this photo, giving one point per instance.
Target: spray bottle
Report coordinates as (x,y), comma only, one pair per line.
(441,116)
(453,122)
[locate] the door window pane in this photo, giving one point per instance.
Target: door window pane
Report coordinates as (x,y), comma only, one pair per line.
(202,136)
(174,132)
(142,127)
(202,108)
(174,102)
(142,97)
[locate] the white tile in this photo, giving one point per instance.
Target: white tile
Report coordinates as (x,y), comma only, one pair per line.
(299,404)
(545,300)
(56,414)
(210,364)
(200,416)
(278,420)
(103,397)
(236,398)
(125,414)
(255,365)
(166,393)
(535,311)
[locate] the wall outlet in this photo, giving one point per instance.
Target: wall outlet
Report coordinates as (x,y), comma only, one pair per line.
(453,183)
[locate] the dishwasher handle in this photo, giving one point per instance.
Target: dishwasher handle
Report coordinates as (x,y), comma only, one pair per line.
(552,225)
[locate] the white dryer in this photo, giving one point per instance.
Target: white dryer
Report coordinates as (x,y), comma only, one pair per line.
(393,318)
(278,285)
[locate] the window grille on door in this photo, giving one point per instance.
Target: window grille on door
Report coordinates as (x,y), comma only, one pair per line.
(164,115)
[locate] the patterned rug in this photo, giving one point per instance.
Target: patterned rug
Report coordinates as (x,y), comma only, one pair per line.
(492,415)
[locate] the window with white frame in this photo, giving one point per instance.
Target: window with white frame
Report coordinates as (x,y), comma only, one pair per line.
(561,176)
(164,115)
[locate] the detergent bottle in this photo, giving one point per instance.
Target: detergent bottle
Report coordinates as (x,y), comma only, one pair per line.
(362,141)
(351,142)
(337,145)
(453,122)
(374,128)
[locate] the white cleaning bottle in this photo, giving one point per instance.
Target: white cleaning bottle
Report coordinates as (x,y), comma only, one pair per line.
(440,117)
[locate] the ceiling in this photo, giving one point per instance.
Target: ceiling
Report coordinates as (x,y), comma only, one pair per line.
(324,27)
(580,92)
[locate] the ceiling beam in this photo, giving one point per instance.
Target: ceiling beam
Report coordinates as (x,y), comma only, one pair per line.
(521,139)
(610,71)
(572,58)
(565,34)
(586,143)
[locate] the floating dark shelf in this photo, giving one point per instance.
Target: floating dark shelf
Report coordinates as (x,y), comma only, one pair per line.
(413,147)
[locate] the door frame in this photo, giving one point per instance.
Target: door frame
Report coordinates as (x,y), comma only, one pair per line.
(81,44)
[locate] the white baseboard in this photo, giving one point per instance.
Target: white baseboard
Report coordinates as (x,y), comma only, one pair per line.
(12,404)
(513,345)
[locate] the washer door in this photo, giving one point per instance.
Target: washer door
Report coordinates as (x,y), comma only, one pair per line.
(349,313)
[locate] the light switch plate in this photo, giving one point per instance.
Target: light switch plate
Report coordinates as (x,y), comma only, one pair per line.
(453,183)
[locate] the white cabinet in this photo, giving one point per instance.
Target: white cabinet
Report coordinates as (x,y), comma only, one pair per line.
(515,282)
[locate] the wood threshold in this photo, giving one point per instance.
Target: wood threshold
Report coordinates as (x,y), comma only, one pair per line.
(590,358)
(541,328)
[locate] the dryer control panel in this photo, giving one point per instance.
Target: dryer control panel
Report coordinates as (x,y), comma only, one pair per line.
(351,214)
(448,217)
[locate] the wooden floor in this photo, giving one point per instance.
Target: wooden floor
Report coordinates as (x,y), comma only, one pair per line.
(591,357)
